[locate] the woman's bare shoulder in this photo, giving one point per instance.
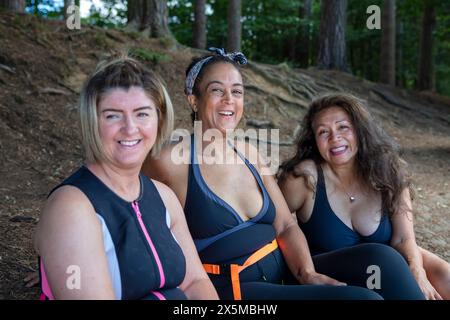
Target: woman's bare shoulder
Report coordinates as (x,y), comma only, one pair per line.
(306,167)
(66,209)
(172,161)
(68,198)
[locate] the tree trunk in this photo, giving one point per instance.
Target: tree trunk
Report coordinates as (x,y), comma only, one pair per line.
(67,3)
(199,24)
(134,15)
(426,63)
(387,56)
(159,18)
(332,45)
(36,8)
(234,26)
(399,54)
(13,5)
(372,69)
(148,16)
(304,37)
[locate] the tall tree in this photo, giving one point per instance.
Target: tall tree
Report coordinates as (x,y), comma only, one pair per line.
(387,56)
(148,16)
(304,36)
(234,26)
(332,47)
(134,15)
(400,81)
(426,79)
(13,5)
(199,24)
(67,3)
(36,7)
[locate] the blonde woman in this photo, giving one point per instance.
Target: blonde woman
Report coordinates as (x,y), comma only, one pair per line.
(114,232)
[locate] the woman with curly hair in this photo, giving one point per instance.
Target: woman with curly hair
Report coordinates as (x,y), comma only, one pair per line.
(348,185)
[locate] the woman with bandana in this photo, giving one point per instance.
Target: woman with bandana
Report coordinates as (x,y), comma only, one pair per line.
(247,239)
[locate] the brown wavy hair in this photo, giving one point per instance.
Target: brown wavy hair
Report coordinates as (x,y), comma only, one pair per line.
(378,159)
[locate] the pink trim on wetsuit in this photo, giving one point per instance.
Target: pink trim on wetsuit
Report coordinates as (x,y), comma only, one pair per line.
(46,291)
(159,295)
(155,254)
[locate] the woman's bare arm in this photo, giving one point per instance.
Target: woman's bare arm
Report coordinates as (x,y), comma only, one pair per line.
(69,240)
(404,241)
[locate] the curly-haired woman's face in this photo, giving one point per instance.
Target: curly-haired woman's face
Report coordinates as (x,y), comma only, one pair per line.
(335,136)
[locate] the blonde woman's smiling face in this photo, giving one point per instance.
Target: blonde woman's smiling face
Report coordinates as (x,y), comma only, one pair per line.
(128,125)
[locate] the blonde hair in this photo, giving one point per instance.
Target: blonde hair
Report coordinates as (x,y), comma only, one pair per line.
(121,72)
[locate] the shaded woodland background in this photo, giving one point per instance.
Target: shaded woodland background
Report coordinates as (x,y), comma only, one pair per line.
(297,49)
(410,50)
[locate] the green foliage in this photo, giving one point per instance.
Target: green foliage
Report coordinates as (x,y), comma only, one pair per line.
(181,19)
(112,14)
(101,40)
(409,19)
(443,48)
(168,42)
(134,35)
(273,32)
(268,27)
(148,55)
(363,44)
(45,8)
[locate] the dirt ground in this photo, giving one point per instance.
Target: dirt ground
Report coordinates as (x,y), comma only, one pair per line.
(42,68)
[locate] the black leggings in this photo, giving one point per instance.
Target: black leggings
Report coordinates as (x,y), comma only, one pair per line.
(351,265)
(270,278)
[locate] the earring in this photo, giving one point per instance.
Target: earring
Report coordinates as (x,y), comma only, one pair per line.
(195,112)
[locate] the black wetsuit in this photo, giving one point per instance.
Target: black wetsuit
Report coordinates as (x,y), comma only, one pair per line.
(144,258)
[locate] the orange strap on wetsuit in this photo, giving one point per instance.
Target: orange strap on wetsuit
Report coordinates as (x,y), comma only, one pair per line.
(235,269)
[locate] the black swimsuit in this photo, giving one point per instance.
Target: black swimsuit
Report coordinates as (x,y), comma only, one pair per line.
(326,232)
(213,232)
(222,237)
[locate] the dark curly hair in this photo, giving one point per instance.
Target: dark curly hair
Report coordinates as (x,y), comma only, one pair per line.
(378,159)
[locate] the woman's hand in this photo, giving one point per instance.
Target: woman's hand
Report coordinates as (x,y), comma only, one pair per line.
(427,288)
(318,278)
(404,241)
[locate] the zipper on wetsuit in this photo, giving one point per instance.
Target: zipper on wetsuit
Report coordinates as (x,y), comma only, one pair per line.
(138,213)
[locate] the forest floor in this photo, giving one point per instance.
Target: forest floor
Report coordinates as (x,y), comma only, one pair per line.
(42,68)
